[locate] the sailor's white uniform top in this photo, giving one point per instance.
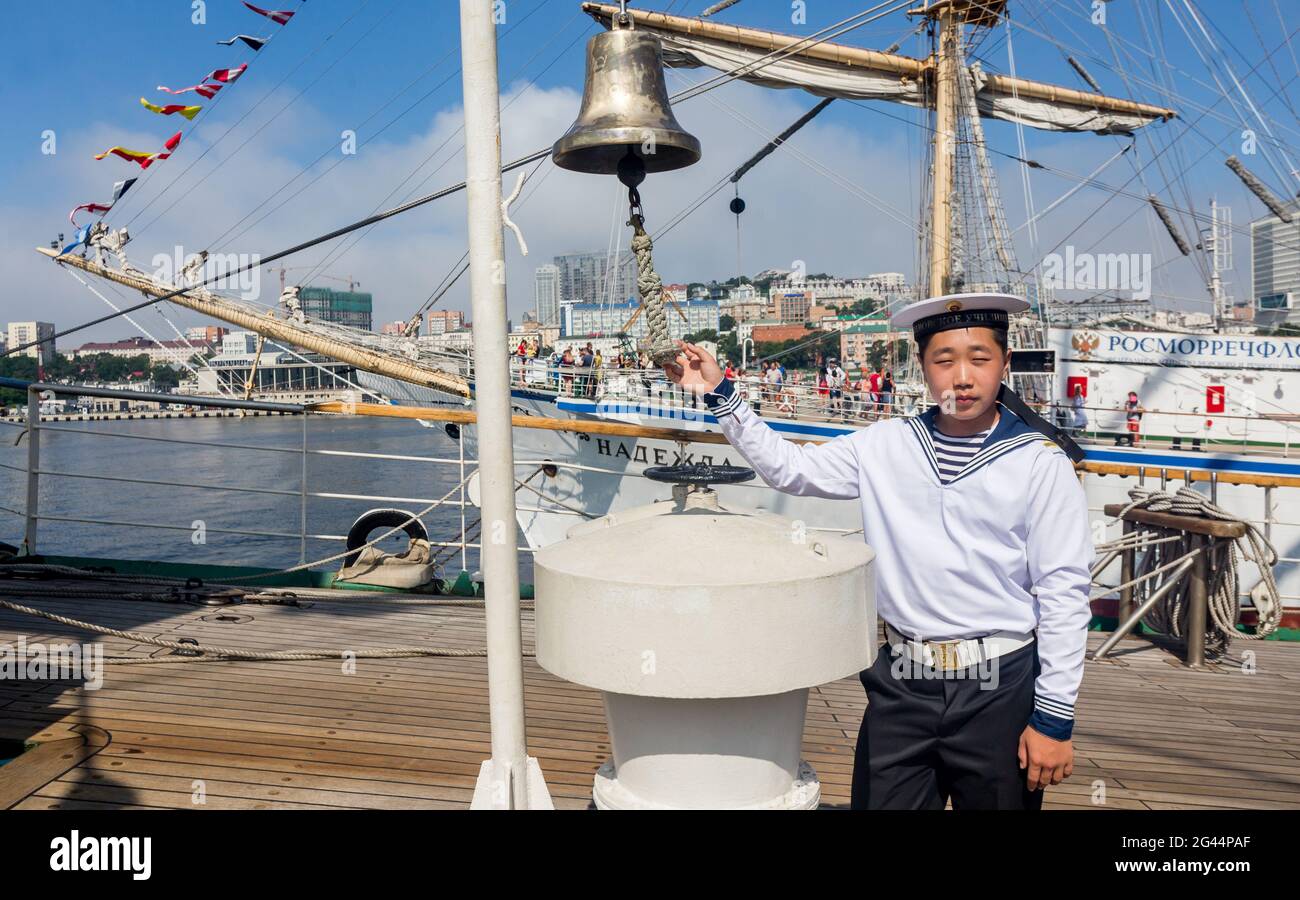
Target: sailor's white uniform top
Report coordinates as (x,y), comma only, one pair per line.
(1003,544)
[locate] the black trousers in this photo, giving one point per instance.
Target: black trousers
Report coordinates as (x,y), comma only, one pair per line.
(927,739)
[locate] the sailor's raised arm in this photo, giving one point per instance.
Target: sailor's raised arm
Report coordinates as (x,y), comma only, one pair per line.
(827,470)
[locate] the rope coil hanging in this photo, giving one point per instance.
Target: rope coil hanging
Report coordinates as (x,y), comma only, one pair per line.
(650,286)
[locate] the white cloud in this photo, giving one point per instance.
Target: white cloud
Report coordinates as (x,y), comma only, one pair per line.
(794,211)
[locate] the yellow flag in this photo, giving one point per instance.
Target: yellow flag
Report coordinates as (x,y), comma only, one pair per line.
(188,112)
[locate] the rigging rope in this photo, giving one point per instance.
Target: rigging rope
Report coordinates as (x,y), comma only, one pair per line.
(215,653)
(1169,616)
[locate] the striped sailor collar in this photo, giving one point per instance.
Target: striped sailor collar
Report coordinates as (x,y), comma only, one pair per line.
(1010,432)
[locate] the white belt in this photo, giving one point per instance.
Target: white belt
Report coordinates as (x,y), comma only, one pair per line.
(956,654)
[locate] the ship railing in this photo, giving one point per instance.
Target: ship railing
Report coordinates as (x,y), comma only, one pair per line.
(40,480)
(792,399)
(805,400)
(1268,483)
(1272,434)
(528,497)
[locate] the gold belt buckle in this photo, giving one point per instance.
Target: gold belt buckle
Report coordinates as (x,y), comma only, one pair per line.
(945,654)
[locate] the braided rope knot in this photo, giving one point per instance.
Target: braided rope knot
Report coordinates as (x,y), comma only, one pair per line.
(650,286)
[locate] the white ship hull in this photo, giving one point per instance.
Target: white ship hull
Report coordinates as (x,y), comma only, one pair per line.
(1239,392)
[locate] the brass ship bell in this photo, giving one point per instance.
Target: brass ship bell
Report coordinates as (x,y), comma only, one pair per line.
(625,125)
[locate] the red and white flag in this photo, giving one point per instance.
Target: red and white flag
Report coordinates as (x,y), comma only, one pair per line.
(226,75)
(278,16)
(223,76)
(203,90)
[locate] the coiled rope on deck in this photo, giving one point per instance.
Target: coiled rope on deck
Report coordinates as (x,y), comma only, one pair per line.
(1169,616)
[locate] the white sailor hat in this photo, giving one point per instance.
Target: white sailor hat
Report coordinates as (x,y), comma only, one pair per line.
(926,317)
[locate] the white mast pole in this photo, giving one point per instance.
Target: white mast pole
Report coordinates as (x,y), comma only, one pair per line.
(509,780)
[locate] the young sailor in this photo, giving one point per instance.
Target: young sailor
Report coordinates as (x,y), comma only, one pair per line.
(982,571)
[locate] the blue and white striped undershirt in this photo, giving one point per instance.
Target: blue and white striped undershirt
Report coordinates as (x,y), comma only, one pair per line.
(953,453)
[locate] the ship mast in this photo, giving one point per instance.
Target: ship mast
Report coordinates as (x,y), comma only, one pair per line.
(953,90)
(947,16)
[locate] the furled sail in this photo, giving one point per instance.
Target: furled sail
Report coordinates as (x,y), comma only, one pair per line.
(828,69)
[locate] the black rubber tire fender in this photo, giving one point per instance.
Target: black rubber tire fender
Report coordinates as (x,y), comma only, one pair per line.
(374,519)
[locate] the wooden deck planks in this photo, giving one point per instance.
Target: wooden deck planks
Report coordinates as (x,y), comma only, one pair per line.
(411,733)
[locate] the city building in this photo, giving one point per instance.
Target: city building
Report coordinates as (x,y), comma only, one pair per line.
(779,332)
(460,340)
(745,330)
(1275,268)
(392,328)
(290,377)
(86,404)
(26,332)
(840,322)
(172,353)
(586,278)
(441,321)
(743,293)
(542,335)
(351,308)
(888,282)
(550,335)
(1181,319)
(583,319)
(679,292)
(206,334)
(792,306)
(750,310)
(857,340)
(842,291)
(546,294)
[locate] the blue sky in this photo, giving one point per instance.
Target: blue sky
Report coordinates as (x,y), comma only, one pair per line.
(364,64)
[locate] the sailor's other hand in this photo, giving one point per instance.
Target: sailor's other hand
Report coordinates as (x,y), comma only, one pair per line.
(695,369)
(1048,760)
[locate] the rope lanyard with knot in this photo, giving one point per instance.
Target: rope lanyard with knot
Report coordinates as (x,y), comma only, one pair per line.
(631,172)
(1169,616)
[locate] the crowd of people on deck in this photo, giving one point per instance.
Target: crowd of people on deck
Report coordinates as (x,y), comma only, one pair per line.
(828,391)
